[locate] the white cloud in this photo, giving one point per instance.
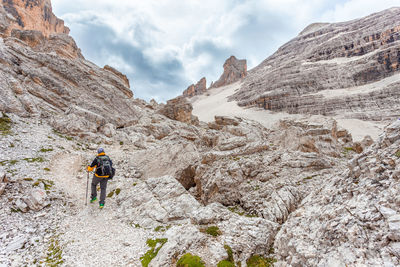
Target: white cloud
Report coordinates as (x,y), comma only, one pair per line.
(196,36)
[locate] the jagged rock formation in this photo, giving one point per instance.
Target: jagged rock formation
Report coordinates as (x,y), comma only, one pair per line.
(179,109)
(31,15)
(234,70)
(349,68)
(357,211)
(198,89)
(48,77)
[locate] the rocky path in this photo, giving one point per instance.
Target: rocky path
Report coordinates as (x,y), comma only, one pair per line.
(90,236)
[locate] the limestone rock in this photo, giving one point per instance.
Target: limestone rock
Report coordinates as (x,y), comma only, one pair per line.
(348,69)
(234,70)
(33,15)
(37,199)
(198,89)
(3,182)
(179,109)
(120,75)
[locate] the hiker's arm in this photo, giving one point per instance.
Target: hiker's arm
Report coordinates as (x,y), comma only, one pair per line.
(93,165)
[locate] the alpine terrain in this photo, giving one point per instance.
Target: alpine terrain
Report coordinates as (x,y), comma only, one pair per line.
(293,163)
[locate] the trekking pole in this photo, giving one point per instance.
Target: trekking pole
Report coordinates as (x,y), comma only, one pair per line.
(87,186)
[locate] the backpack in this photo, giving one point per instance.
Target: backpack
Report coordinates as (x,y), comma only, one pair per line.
(104,167)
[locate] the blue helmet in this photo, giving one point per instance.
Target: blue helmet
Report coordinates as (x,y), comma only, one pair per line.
(100,150)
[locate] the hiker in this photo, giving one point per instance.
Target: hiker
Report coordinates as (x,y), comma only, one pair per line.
(104,172)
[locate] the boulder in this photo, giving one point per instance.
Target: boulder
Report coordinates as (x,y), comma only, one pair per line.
(37,199)
(179,109)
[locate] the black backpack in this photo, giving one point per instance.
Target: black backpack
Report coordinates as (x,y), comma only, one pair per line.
(104,166)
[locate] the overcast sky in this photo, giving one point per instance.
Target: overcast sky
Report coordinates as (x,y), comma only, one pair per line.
(163,46)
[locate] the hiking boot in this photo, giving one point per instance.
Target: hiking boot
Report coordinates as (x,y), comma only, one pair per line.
(93,199)
(101,206)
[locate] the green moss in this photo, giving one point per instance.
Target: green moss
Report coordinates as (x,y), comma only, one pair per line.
(137,225)
(46,169)
(259,261)
(225,263)
(397,154)
(31,160)
(348,149)
(189,260)
(12,145)
(47,184)
(54,254)
(162,228)
(154,248)
(8,162)
(43,150)
(62,136)
(110,194)
(228,262)
(117,191)
(134,184)
(121,143)
(5,125)
(28,179)
(213,231)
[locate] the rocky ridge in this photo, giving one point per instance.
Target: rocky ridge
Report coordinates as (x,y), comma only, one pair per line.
(348,69)
(234,70)
(198,89)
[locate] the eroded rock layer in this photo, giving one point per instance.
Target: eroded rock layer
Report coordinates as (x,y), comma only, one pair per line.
(198,89)
(350,67)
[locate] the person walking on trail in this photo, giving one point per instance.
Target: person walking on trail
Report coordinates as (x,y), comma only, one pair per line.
(104,170)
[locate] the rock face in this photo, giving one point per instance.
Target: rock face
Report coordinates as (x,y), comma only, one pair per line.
(349,68)
(198,89)
(234,70)
(356,211)
(32,15)
(43,74)
(179,109)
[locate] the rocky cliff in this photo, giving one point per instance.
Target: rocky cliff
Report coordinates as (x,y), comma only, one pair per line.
(198,89)
(32,15)
(234,70)
(349,68)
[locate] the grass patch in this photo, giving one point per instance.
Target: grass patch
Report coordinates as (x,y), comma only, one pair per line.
(155,246)
(47,184)
(28,179)
(54,253)
(69,138)
(43,150)
(189,260)
(8,162)
(115,191)
(32,160)
(228,262)
(212,230)
(46,169)
(162,228)
(5,125)
(397,154)
(259,261)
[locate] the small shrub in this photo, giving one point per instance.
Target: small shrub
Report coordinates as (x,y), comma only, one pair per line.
(189,260)
(54,254)
(225,263)
(259,261)
(31,160)
(5,125)
(213,231)
(43,150)
(117,191)
(152,253)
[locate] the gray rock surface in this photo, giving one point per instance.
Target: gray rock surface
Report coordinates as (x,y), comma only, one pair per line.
(234,70)
(348,68)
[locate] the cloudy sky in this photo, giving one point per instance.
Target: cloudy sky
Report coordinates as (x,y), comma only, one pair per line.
(165,45)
